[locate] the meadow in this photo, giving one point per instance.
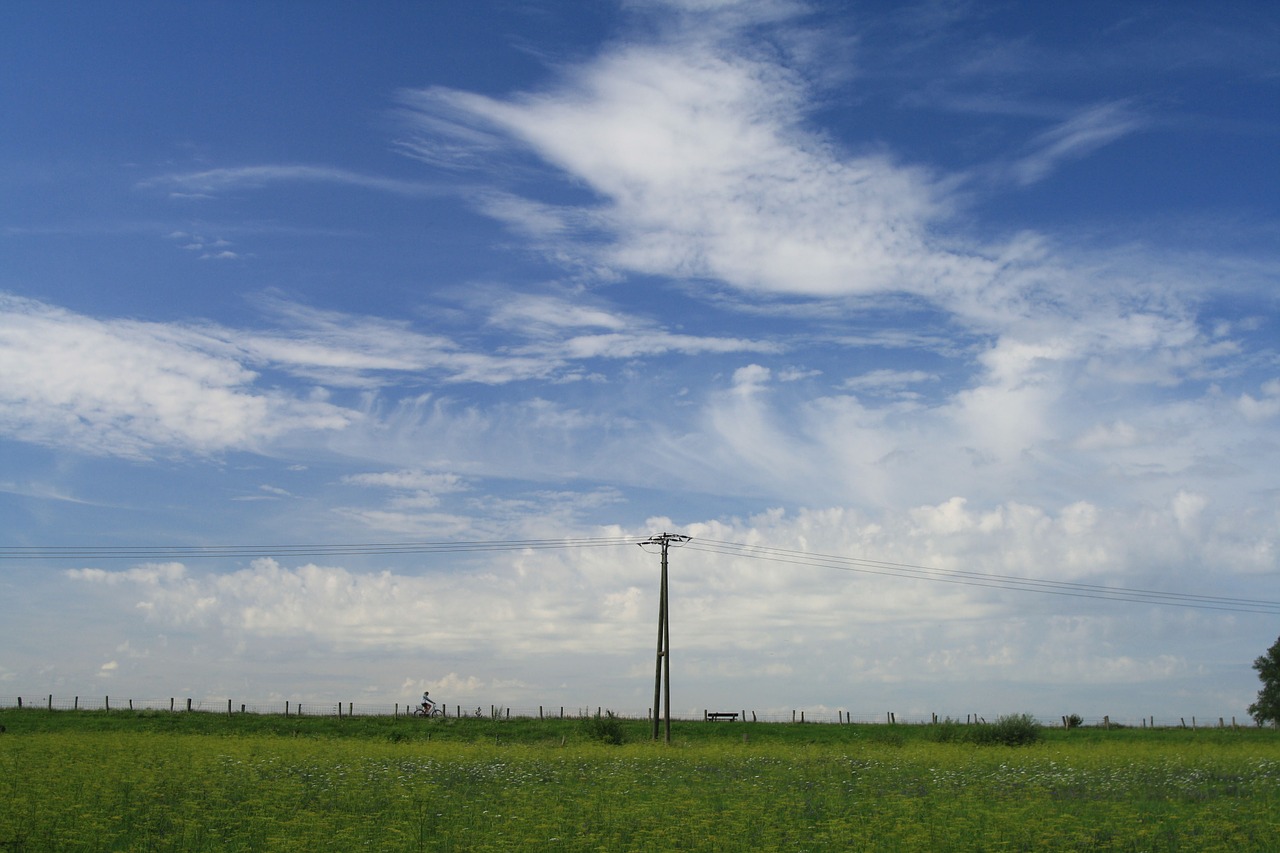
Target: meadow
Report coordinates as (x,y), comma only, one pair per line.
(96,780)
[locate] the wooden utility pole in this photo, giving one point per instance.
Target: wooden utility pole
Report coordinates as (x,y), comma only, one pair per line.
(662,669)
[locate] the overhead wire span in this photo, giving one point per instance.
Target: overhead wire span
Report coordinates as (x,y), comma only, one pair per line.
(191,552)
(736,549)
(979,579)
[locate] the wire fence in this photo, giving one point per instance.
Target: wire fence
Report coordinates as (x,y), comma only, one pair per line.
(821,715)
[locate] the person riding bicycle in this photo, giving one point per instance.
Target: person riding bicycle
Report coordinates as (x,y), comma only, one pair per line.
(428,705)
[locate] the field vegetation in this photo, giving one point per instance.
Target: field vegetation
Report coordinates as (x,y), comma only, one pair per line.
(95,780)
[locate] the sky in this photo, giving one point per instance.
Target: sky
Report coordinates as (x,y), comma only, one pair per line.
(929,323)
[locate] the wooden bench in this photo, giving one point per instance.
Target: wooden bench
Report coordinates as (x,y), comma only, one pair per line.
(714,716)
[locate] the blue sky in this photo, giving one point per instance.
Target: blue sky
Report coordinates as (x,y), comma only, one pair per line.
(979,287)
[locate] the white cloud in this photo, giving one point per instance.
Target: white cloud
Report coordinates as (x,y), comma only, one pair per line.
(130,388)
(1117,434)
(409,480)
(1263,407)
(704,167)
(206,184)
(707,171)
(590,611)
(878,380)
(134,388)
(748,378)
(1075,138)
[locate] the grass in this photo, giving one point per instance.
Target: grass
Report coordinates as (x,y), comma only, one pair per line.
(161,781)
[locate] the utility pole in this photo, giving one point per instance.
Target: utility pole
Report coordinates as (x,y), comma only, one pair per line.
(662,670)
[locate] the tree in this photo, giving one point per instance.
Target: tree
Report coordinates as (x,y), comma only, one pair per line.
(1267,708)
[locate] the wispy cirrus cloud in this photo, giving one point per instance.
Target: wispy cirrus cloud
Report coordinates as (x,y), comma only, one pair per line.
(132,388)
(703,168)
(211,182)
(1077,137)
(128,388)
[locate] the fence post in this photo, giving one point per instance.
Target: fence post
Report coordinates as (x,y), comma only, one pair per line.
(539,712)
(106,703)
(130,704)
(188,704)
(75,706)
(50,701)
(286,707)
(20,704)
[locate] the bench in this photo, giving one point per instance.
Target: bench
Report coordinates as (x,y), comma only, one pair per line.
(714,716)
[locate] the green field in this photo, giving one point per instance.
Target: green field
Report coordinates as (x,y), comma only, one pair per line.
(95,780)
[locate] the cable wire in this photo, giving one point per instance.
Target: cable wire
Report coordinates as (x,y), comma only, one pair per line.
(191,552)
(711,546)
(978,579)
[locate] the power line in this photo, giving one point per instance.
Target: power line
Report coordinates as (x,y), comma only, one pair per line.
(712,546)
(979,579)
(191,552)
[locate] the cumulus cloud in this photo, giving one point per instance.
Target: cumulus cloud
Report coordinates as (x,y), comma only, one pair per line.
(741,619)
(1263,407)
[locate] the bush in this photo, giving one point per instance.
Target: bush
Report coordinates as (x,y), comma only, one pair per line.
(948,731)
(1010,730)
(605,727)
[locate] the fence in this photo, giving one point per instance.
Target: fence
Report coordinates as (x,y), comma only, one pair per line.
(329,708)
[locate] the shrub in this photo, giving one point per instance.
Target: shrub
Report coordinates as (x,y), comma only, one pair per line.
(948,731)
(1009,730)
(605,727)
